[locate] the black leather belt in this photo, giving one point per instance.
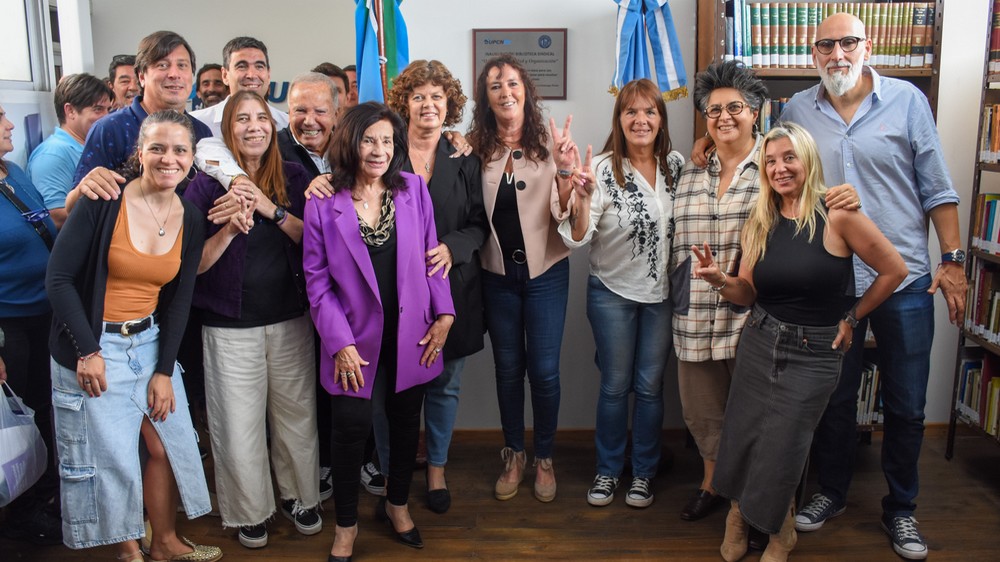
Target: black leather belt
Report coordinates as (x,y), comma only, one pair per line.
(131,327)
(519,257)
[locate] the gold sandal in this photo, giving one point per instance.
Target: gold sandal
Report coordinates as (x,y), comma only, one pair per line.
(201,553)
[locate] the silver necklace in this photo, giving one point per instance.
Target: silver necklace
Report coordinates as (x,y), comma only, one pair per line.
(166,218)
(427,163)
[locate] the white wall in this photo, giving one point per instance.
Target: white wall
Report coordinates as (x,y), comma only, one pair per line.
(302,33)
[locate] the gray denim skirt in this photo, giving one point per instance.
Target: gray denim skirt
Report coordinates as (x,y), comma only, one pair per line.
(782,381)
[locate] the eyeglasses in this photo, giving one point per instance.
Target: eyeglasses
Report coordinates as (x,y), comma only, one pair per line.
(847,44)
(732,108)
(37,215)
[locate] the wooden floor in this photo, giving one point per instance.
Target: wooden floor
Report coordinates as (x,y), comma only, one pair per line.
(959,513)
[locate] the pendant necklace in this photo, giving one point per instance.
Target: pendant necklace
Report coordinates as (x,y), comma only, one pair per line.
(162,232)
(427,162)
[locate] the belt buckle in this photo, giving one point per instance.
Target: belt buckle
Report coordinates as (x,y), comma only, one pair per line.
(519,257)
(127,326)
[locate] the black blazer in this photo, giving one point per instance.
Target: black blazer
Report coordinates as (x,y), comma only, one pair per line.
(292,151)
(457,195)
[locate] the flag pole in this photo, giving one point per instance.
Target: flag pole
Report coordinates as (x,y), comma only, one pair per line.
(382,61)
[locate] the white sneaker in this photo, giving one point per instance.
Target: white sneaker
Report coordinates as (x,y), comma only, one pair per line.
(372,479)
(640,493)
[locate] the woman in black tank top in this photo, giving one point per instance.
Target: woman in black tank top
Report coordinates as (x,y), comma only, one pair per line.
(797,271)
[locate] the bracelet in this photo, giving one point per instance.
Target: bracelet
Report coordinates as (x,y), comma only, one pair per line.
(84,358)
(564,173)
(725,279)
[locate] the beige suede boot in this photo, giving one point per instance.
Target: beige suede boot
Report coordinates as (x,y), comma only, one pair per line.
(781,545)
(734,544)
(513,473)
(545,492)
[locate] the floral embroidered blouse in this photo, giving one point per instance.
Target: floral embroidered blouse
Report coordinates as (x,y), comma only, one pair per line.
(630,230)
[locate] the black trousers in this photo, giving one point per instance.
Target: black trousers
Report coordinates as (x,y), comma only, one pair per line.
(352,422)
(26,354)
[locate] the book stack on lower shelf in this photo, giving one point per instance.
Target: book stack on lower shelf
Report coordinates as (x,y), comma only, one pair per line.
(781,34)
(977,401)
(982,312)
(869,398)
(769,113)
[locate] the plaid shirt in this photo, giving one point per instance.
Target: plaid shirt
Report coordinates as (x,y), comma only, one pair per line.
(711,327)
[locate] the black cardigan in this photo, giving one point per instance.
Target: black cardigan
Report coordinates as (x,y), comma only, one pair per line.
(77,278)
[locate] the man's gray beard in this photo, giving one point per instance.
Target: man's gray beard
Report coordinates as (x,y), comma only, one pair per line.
(839,84)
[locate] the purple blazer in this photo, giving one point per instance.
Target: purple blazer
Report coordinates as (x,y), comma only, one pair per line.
(343,293)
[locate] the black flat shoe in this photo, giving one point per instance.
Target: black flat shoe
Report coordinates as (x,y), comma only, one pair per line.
(437,500)
(703,503)
(333,558)
(410,538)
(758,539)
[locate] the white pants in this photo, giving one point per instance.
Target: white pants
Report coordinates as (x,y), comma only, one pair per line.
(251,373)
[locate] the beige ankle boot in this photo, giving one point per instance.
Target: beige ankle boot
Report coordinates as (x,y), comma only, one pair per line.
(545,492)
(513,473)
(734,544)
(781,545)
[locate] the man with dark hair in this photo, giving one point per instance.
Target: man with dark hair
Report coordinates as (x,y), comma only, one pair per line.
(164,64)
(80,100)
(122,80)
(352,82)
(211,88)
(340,80)
(312,112)
(245,66)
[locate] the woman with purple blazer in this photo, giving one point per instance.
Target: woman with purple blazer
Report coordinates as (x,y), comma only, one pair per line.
(382,317)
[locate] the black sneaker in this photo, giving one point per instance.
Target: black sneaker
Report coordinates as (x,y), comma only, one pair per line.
(603,491)
(40,526)
(253,536)
(307,521)
(325,483)
(372,479)
(816,512)
(640,493)
(906,539)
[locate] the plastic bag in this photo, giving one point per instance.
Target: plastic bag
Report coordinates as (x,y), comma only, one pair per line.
(22,451)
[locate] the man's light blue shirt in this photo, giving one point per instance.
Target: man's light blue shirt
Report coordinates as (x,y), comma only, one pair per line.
(51,167)
(891,154)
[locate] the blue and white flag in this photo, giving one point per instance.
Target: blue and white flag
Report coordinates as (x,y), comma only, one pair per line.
(397,52)
(637,21)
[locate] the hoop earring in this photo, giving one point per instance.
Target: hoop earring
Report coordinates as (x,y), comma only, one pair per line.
(192,173)
(140,169)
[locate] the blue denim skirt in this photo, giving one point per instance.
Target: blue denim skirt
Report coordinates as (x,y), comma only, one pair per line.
(782,381)
(98,444)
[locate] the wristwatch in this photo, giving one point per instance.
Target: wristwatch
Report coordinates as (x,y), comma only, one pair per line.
(954,256)
(850,319)
(279,215)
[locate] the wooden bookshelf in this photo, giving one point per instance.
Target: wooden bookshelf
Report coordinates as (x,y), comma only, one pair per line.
(968,340)
(712,48)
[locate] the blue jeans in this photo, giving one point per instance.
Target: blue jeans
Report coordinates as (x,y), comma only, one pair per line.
(97,440)
(633,345)
(440,409)
(904,328)
(525,318)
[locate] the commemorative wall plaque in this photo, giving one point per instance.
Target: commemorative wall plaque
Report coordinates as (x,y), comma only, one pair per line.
(541,51)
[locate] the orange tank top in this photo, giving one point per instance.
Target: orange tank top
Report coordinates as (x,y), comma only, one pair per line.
(135,278)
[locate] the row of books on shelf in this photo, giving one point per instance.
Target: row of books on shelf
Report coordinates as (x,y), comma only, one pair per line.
(982,312)
(989,141)
(994,60)
(769,114)
(869,398)
(978,399)
(781,34)
(986,223)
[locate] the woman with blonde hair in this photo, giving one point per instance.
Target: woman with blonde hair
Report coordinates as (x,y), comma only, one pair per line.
(796,271)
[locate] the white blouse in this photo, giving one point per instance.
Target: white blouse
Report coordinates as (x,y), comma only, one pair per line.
(630,230)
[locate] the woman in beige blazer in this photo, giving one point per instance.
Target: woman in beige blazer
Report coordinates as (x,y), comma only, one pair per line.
(526,191)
